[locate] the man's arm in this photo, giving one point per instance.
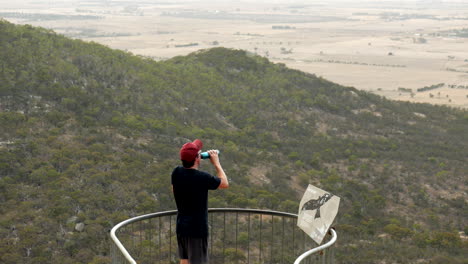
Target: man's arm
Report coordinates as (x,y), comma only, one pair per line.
(214,158)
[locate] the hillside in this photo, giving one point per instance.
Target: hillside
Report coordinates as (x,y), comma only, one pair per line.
(90,135)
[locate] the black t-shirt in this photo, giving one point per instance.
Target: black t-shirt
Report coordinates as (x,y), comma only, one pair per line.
(191,195)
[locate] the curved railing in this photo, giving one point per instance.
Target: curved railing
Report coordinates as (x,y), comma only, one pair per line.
(236,236)
(317,249)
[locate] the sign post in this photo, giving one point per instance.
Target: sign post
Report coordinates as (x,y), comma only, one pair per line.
(317,211)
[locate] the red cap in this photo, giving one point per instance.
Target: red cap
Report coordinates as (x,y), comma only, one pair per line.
(189,151)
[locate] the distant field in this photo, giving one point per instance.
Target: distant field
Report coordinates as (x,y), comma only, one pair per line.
(384,49)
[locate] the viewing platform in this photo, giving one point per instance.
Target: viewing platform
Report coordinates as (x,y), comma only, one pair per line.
(236,236)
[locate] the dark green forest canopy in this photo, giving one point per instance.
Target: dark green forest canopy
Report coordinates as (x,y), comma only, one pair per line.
(90,135)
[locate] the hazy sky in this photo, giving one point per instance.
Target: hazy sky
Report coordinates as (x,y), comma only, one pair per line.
(8,4)
(19,2)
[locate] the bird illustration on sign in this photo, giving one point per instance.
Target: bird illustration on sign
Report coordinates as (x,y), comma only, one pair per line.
(316,204)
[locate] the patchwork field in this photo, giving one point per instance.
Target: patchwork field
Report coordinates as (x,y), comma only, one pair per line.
(392,48)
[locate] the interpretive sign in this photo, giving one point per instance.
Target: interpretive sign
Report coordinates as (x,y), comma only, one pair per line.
(317,211)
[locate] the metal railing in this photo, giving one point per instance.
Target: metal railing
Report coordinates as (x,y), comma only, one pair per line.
(236,236)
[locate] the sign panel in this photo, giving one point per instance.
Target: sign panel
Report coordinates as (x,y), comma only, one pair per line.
(317,211)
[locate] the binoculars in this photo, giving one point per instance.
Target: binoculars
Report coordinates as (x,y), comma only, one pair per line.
(206,155)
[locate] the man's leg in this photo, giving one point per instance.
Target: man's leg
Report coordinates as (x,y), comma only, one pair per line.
(197,250)
(182,246)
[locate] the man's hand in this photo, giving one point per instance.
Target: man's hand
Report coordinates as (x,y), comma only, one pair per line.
(214,158)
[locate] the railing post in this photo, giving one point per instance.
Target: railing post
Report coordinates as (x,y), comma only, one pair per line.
(170,237)
(212,234)
(248,239)
(282,242)
(260,253)
(272,240)
(159,240)
(224,236)
(237,229)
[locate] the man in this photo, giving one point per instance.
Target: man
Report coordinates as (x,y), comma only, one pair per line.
(190,187)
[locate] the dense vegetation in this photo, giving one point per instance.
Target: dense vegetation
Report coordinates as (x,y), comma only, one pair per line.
(89,136)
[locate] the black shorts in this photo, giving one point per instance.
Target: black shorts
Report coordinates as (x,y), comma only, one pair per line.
(195,249)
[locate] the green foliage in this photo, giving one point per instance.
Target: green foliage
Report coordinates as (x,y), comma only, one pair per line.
(90,135)
(397,231)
